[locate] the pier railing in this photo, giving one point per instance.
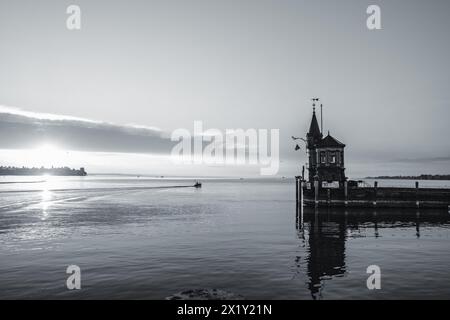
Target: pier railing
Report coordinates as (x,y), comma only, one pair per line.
(313,195)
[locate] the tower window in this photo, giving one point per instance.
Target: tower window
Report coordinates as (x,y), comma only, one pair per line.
(323,157)
(333,157)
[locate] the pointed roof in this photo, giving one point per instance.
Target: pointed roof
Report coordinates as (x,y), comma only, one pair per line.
(314,127)
(330,142)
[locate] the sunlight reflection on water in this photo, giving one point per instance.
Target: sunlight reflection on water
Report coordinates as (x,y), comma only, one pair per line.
(242,237)
(46,202)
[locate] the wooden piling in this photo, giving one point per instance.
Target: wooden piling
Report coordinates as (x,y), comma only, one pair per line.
(316,193)
(346,192)
(301,202)
(417,194)
(375,193)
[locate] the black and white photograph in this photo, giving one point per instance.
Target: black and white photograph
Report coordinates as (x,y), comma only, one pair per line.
(224,150)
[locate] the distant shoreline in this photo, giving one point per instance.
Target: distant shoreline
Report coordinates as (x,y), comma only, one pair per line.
(421,177)
(63,171)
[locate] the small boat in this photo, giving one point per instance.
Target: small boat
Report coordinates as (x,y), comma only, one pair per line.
(197,184)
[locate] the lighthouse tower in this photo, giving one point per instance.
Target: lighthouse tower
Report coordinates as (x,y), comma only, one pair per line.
(326,155)
(313,137)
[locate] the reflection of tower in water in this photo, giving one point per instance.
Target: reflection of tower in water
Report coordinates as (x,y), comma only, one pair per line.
(325,232)
(326,250)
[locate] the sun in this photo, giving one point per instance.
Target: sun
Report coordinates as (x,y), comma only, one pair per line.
(46,148)
(47,155)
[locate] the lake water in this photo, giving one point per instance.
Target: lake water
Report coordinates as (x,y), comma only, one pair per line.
(133,238)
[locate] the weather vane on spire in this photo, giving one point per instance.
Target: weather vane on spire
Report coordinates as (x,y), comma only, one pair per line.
(314,100)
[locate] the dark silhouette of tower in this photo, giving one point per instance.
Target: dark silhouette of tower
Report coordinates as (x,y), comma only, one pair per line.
(313,137)
(326,155)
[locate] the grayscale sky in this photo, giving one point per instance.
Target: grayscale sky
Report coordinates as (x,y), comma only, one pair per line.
(232,64)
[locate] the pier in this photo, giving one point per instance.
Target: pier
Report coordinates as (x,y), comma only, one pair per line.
(371,197)
(327,186)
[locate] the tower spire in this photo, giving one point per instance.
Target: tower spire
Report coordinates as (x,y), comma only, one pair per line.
(314,129)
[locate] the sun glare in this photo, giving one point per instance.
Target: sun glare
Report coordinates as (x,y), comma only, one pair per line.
(47,155)
(46,148)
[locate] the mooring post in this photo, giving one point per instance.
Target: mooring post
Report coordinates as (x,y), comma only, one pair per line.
(296,190)
(417,194)
(301,202)
(375,223)
(418,224)
(329,196)
(316,193)
(346,192)
(375,193)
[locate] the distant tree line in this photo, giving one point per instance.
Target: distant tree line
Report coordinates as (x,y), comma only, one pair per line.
(62,171)
(421,177)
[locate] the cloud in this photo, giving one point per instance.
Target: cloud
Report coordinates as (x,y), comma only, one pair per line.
(21,129)
(41,116)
